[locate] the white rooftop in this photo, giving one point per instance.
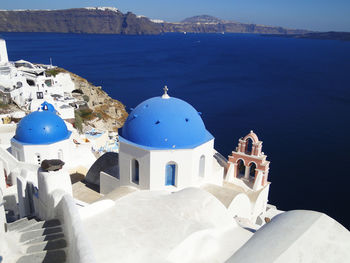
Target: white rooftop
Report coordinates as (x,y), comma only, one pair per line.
(187,226)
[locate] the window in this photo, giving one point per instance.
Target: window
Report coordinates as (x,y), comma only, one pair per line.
(30,82)
(39,95)
(135,171)
(202,166)
(249,146)
(170,172)
(48,82)
(240,169)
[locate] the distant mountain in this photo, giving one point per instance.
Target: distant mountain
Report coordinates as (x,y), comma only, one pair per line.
(202,19)
(210,24)
(106,20)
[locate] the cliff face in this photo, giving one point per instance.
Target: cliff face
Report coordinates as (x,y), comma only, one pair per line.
(210,24)
(227,27)
(80,20)
(98,110)
(103,112)
(112,21)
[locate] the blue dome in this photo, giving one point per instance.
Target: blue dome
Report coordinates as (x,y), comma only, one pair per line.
(165,124)
(41,127)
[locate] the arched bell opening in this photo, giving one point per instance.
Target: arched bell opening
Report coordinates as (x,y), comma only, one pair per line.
(240,169)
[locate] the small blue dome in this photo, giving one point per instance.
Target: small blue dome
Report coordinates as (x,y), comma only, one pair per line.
(47,106)
(166,124)
(41,127)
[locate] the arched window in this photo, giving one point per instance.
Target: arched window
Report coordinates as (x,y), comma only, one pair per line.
(60,154)
(202,166)
(240,169)
(170,174)
(249,146)
(252,170)
(135,171)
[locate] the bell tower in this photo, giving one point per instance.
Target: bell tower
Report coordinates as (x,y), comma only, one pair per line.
(248,162)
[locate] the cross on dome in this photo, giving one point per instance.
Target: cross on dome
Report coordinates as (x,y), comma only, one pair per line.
(165,95)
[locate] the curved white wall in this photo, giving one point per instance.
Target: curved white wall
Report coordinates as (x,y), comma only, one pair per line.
(240,206)
(297,236)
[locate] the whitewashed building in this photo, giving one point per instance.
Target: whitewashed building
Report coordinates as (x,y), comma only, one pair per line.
(41,135)
(28,85)
(165,145)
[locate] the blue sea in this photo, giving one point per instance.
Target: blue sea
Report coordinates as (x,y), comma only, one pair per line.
(294,93)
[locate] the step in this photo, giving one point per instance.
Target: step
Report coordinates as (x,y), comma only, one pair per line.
(19,224)
(51,256)
(39,232)
(47,245)
(41,224)
(44,238)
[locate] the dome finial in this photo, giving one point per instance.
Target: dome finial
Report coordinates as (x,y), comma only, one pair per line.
(165,95)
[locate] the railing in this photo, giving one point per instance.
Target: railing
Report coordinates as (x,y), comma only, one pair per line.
(11,163)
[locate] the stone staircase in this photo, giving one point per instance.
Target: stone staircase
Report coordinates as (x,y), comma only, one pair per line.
(40,241)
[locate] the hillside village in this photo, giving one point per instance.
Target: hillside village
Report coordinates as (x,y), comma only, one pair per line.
(24,86)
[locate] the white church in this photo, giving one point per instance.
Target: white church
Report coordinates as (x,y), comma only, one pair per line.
(167,196)
(165,146)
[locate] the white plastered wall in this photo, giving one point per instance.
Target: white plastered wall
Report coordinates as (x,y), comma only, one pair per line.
(259,205)
(28,152)
(7,131)
(152,164)
(3,52)
(240,206)
(187,170)
(2,177)
(127,153)
(52,186)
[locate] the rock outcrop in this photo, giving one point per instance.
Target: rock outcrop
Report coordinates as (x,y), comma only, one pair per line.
(100,110)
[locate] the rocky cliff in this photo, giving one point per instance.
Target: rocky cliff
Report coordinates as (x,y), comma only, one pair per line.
(79,20)
(96,108)
(112,21)
(210,24)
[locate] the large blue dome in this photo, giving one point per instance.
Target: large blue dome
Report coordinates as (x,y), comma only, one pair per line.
(168,123)
(41,127)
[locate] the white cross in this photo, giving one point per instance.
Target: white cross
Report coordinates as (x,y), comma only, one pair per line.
(165,95)
(165,90)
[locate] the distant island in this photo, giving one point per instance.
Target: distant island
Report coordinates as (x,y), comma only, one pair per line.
(342,36)
(109,20)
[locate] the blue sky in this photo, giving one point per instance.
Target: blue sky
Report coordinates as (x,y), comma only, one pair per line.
(320,15)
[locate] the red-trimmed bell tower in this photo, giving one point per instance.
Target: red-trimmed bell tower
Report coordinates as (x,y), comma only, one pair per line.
(249,161)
